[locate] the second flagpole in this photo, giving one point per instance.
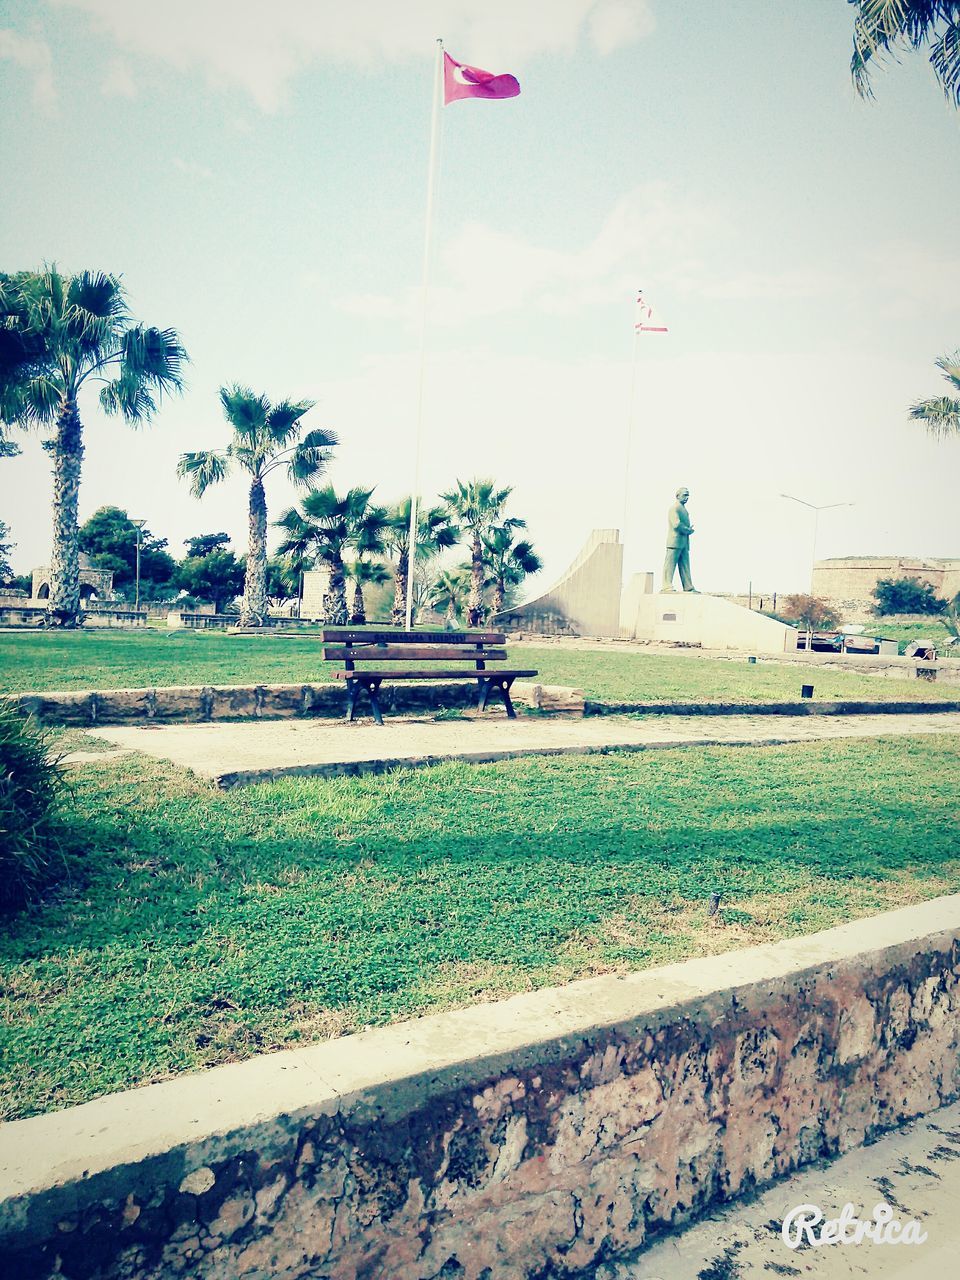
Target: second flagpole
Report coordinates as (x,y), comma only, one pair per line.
(432,175)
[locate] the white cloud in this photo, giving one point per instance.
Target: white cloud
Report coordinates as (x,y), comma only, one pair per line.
(192,168)
(33,56)
(118,82)
(260,47)
(650,235)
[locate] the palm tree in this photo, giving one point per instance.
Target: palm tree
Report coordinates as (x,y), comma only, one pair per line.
(435,533)
(508,563)
(326,527)
(449,593)
(364,573)
(477,507)
(883,26)
(265,437)
(69,331)
(941,416)
(371,528)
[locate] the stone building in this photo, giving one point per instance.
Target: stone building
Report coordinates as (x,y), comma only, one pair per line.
(849,581)
(95,584)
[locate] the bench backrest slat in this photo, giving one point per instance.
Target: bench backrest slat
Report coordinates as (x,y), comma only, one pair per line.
(396,635)
(412,652)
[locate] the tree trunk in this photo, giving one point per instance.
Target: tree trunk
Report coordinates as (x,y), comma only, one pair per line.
(358,617)
(254,607)
(337,592)
(67,451)
(496,604)
(475,602)
(399,615)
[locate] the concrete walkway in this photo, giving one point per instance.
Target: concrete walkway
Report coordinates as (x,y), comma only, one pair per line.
(232,754)
(915,1170)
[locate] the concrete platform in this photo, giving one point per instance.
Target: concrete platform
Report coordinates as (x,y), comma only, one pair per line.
(261,751)
(915,1170)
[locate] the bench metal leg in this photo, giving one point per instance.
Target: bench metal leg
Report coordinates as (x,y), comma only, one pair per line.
(370,686)
(489,683)
(507,702)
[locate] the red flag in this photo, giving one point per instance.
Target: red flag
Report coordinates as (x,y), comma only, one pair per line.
(646,321)
(461,81)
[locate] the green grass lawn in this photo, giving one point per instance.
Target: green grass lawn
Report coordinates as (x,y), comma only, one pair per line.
(112,660)
(199,927)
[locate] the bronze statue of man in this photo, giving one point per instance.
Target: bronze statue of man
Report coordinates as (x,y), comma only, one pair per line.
(679,530)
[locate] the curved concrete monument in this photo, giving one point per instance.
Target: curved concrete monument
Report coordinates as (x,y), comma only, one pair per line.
(690,617)
(585,601)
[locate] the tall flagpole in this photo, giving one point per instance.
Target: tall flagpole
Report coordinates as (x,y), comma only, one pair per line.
(631,418)
(424,293)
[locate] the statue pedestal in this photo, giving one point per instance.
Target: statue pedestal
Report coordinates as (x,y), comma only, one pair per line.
(686,617)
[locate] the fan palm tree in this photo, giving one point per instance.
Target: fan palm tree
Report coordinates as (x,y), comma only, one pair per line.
(449,592)
(883,26)
(941,415)
(476,507)
(325,527)
(435,533)
(508,563)
(363,573)
(364,569)
(265,437)
(63,333)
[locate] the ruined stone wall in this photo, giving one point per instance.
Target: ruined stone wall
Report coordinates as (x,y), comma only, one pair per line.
(529,1138)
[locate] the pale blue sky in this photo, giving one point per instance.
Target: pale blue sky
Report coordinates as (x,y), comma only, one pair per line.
(257,174)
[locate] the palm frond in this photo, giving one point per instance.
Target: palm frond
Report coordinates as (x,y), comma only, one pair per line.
(246,412)
(204,468)
(128,396)
(949,366)
(310,457)
(883,26)
(154,356)
(282,420)
(941,416)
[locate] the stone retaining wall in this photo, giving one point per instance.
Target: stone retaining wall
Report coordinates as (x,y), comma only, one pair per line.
(512,1141)
(179,704)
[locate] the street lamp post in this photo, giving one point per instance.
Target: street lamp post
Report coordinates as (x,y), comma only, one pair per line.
(827,506)
(139,525)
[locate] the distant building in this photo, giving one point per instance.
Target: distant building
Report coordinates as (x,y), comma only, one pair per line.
(95,584)
(849,581)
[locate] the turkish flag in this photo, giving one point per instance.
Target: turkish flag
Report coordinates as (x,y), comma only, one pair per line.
(461,81)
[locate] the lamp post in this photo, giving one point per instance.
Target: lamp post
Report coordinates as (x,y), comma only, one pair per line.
(138,524)
(827,506)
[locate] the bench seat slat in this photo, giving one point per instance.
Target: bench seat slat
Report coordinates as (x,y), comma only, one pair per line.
(396,635)
(458,674)
(408,652)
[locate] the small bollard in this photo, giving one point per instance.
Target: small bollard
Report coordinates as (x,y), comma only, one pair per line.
(806,691)
(752,661)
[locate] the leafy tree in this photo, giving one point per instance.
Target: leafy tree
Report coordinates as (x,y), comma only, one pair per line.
(906,595)
(435,533)
(217,575)
(884,26)
(6,547)
(324,529)
(109,538)
(265,437)
(809,612)
(68,332)
(204,543)
(449,592)
(941,415)
(508,562)
(476,508)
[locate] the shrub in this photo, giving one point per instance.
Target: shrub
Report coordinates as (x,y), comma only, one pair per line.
(30,786)
(906,595)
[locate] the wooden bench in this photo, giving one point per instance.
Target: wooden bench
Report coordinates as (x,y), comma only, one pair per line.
(351,645)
